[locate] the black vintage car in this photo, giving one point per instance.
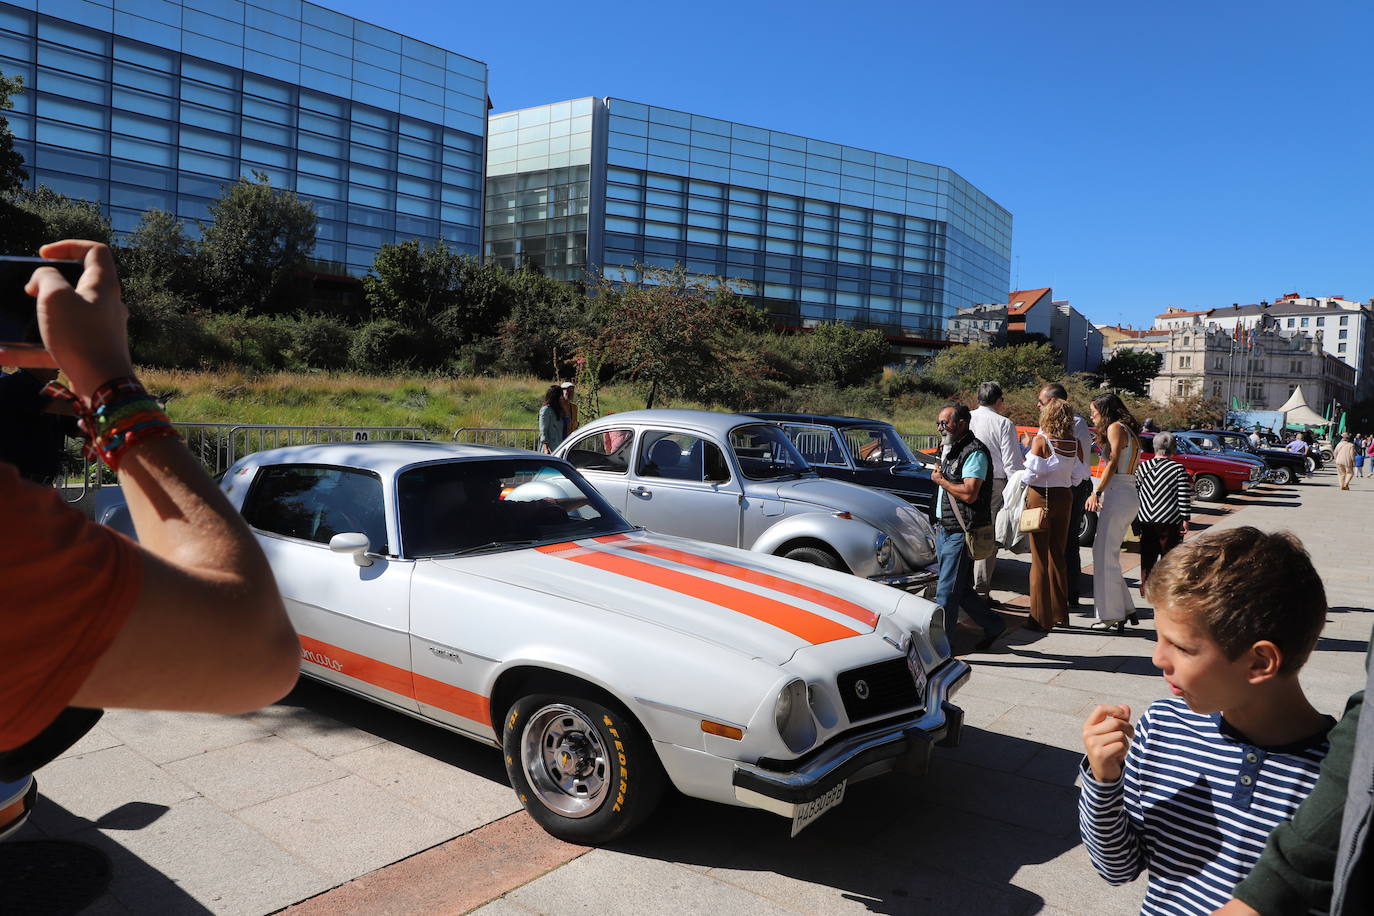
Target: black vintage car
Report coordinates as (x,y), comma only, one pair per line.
(1282,466)
(867,452)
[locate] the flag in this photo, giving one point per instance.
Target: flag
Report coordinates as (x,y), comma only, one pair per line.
(1343,416)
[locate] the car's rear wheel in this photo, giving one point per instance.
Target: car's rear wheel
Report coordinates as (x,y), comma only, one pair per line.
(1209,488)
(583,769)
(816,556)
(1087,529)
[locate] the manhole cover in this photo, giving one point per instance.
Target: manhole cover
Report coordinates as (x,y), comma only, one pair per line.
(52,877)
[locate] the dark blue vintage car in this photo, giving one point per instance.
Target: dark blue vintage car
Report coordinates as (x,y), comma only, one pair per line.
(867,452)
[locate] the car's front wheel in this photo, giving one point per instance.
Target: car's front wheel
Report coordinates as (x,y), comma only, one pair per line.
(816,556)
(584,770)
(1284,476)
(1209,488)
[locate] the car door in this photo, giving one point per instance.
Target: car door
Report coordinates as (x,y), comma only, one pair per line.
(353,621)
(681,484)
(603,457)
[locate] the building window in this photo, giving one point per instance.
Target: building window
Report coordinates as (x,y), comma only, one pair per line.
(1321,322)
(1291,321)
(1181,388)
(1254,392)
(1345,320)
(1185,362)
(1187,341)
(1216,389)
(1256,365)
(1343,334)
(1217,364)
(1295,367)
(1304,322)
(1341,348)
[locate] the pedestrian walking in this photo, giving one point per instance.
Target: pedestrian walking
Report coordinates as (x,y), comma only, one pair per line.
(568,404)
(998,435)
(1051,466)
(551,428)
(1361,445)
(1081,491)
(1116,503)
(962,505)
(1166,493)
(1344,457)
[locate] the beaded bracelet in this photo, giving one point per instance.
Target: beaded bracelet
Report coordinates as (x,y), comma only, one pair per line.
(120,414)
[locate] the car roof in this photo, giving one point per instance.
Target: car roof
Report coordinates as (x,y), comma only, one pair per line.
(822,419)
(711,421)
(385,458)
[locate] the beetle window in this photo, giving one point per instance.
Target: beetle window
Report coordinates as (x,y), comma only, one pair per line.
(764,452)
(818,445)
(877,446)
(316,503)
(679,456)
(603,451)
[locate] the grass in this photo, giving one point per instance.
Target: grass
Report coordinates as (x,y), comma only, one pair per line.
(439,405)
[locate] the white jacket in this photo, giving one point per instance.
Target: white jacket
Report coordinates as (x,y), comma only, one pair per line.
(1008,521)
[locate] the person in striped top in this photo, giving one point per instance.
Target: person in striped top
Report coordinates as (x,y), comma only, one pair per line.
(1192,791)
(1166,494)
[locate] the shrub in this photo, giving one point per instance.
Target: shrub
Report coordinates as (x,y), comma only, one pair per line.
(257,342)
(319,342)
(383,346)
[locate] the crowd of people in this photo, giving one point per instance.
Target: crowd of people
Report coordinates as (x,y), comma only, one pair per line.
(1041,485)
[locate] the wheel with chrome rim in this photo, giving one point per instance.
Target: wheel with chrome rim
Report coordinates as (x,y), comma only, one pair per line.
(583,769)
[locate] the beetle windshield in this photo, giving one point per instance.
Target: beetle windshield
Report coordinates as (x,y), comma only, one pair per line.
(877,446)
(764,452)
(495,504)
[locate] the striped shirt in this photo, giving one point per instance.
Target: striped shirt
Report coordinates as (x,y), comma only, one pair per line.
(1166,490)
(1194,807)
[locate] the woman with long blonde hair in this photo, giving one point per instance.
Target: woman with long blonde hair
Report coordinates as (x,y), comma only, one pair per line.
(1052,468)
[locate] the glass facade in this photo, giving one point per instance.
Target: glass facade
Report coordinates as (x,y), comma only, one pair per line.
(157,103)
(819,231)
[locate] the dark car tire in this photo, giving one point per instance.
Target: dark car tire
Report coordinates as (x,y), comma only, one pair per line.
(1284,476)
(816,556)
(1311,465)
(1209,488)
(623,782)
(1087,529)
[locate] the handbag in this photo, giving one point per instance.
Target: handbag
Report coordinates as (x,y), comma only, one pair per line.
(981,541)
(1035,520)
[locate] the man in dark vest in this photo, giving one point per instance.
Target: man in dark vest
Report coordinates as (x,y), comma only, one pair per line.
(965,468)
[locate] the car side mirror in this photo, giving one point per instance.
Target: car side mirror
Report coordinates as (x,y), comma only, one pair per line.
(354,542)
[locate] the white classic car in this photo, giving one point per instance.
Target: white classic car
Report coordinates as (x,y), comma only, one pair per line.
(740,481)
(495,593)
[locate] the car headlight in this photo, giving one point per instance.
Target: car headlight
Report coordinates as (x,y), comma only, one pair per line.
(792,716)
(883,551)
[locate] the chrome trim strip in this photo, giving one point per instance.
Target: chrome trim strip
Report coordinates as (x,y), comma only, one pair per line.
(689,713)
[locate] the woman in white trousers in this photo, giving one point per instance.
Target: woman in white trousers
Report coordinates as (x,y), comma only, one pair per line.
(1116,502)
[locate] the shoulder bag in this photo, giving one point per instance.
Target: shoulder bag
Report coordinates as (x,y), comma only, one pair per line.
(981,541)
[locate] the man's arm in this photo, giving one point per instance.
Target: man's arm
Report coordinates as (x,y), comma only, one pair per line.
(208,630)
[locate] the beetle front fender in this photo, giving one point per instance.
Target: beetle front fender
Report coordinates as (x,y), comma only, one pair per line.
(854,541)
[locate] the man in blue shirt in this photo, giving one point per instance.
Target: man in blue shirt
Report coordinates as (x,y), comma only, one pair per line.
(963,502)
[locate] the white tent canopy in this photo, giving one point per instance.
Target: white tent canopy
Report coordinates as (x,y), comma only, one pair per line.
(1296,412)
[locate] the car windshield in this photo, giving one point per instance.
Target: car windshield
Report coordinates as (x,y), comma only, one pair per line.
(1186,446)
(496,504)
(764,452)
(877,446)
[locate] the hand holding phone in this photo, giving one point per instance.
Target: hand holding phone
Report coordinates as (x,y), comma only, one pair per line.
(85,329)
(21,344)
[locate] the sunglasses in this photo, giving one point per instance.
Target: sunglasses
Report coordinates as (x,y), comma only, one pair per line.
(942,424)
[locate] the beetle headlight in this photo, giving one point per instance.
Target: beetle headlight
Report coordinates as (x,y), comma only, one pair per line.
(883,551)
(792,716)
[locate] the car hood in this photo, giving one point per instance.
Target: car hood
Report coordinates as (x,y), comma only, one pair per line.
(760,606)
(890,514)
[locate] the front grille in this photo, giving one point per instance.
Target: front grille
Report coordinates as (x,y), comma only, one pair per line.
(888,685)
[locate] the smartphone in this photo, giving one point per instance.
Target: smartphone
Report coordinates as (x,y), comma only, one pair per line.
(20,343)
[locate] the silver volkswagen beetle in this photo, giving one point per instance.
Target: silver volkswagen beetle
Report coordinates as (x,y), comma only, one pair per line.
(740,481)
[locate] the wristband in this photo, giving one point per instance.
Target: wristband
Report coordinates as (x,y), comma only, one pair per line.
(120,415)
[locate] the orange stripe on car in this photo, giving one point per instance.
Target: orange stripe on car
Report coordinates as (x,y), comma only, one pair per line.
(753,577)
(803,624)
(426,690)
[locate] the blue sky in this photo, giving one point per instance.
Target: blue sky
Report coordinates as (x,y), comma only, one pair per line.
(1175,153)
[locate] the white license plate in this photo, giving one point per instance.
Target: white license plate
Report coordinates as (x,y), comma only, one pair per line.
(808,812)
(918,670)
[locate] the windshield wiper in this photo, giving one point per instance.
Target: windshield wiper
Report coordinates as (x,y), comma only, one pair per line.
(492,545)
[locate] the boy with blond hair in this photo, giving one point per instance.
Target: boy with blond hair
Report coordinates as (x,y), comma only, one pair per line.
(1192,791)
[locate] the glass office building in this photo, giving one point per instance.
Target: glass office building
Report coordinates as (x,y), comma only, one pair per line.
(819,231)
(157,103)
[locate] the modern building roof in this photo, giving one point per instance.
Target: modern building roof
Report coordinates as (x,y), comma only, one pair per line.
(1019,301)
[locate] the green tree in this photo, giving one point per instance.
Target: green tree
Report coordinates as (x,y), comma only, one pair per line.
(1131,370)
(256,245)
(961,369)
(669,333)
(157,270)
(841,354)
(48,216)
(12,174)
(547,322)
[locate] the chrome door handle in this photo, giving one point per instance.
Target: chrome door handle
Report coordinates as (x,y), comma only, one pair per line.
(641,491)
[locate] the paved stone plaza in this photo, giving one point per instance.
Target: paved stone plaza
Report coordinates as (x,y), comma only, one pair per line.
(332,805)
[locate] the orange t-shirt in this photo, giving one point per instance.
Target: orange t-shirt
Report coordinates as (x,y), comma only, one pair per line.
(67,586)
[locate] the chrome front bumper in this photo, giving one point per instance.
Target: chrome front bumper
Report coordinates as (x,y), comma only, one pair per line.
(784,786)
(911,581)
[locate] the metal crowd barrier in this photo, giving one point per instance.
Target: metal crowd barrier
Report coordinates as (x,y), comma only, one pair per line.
(921,441)
(505,436)
(246,439)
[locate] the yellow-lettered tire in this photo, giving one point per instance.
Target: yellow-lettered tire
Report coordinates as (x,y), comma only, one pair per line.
(583,769)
